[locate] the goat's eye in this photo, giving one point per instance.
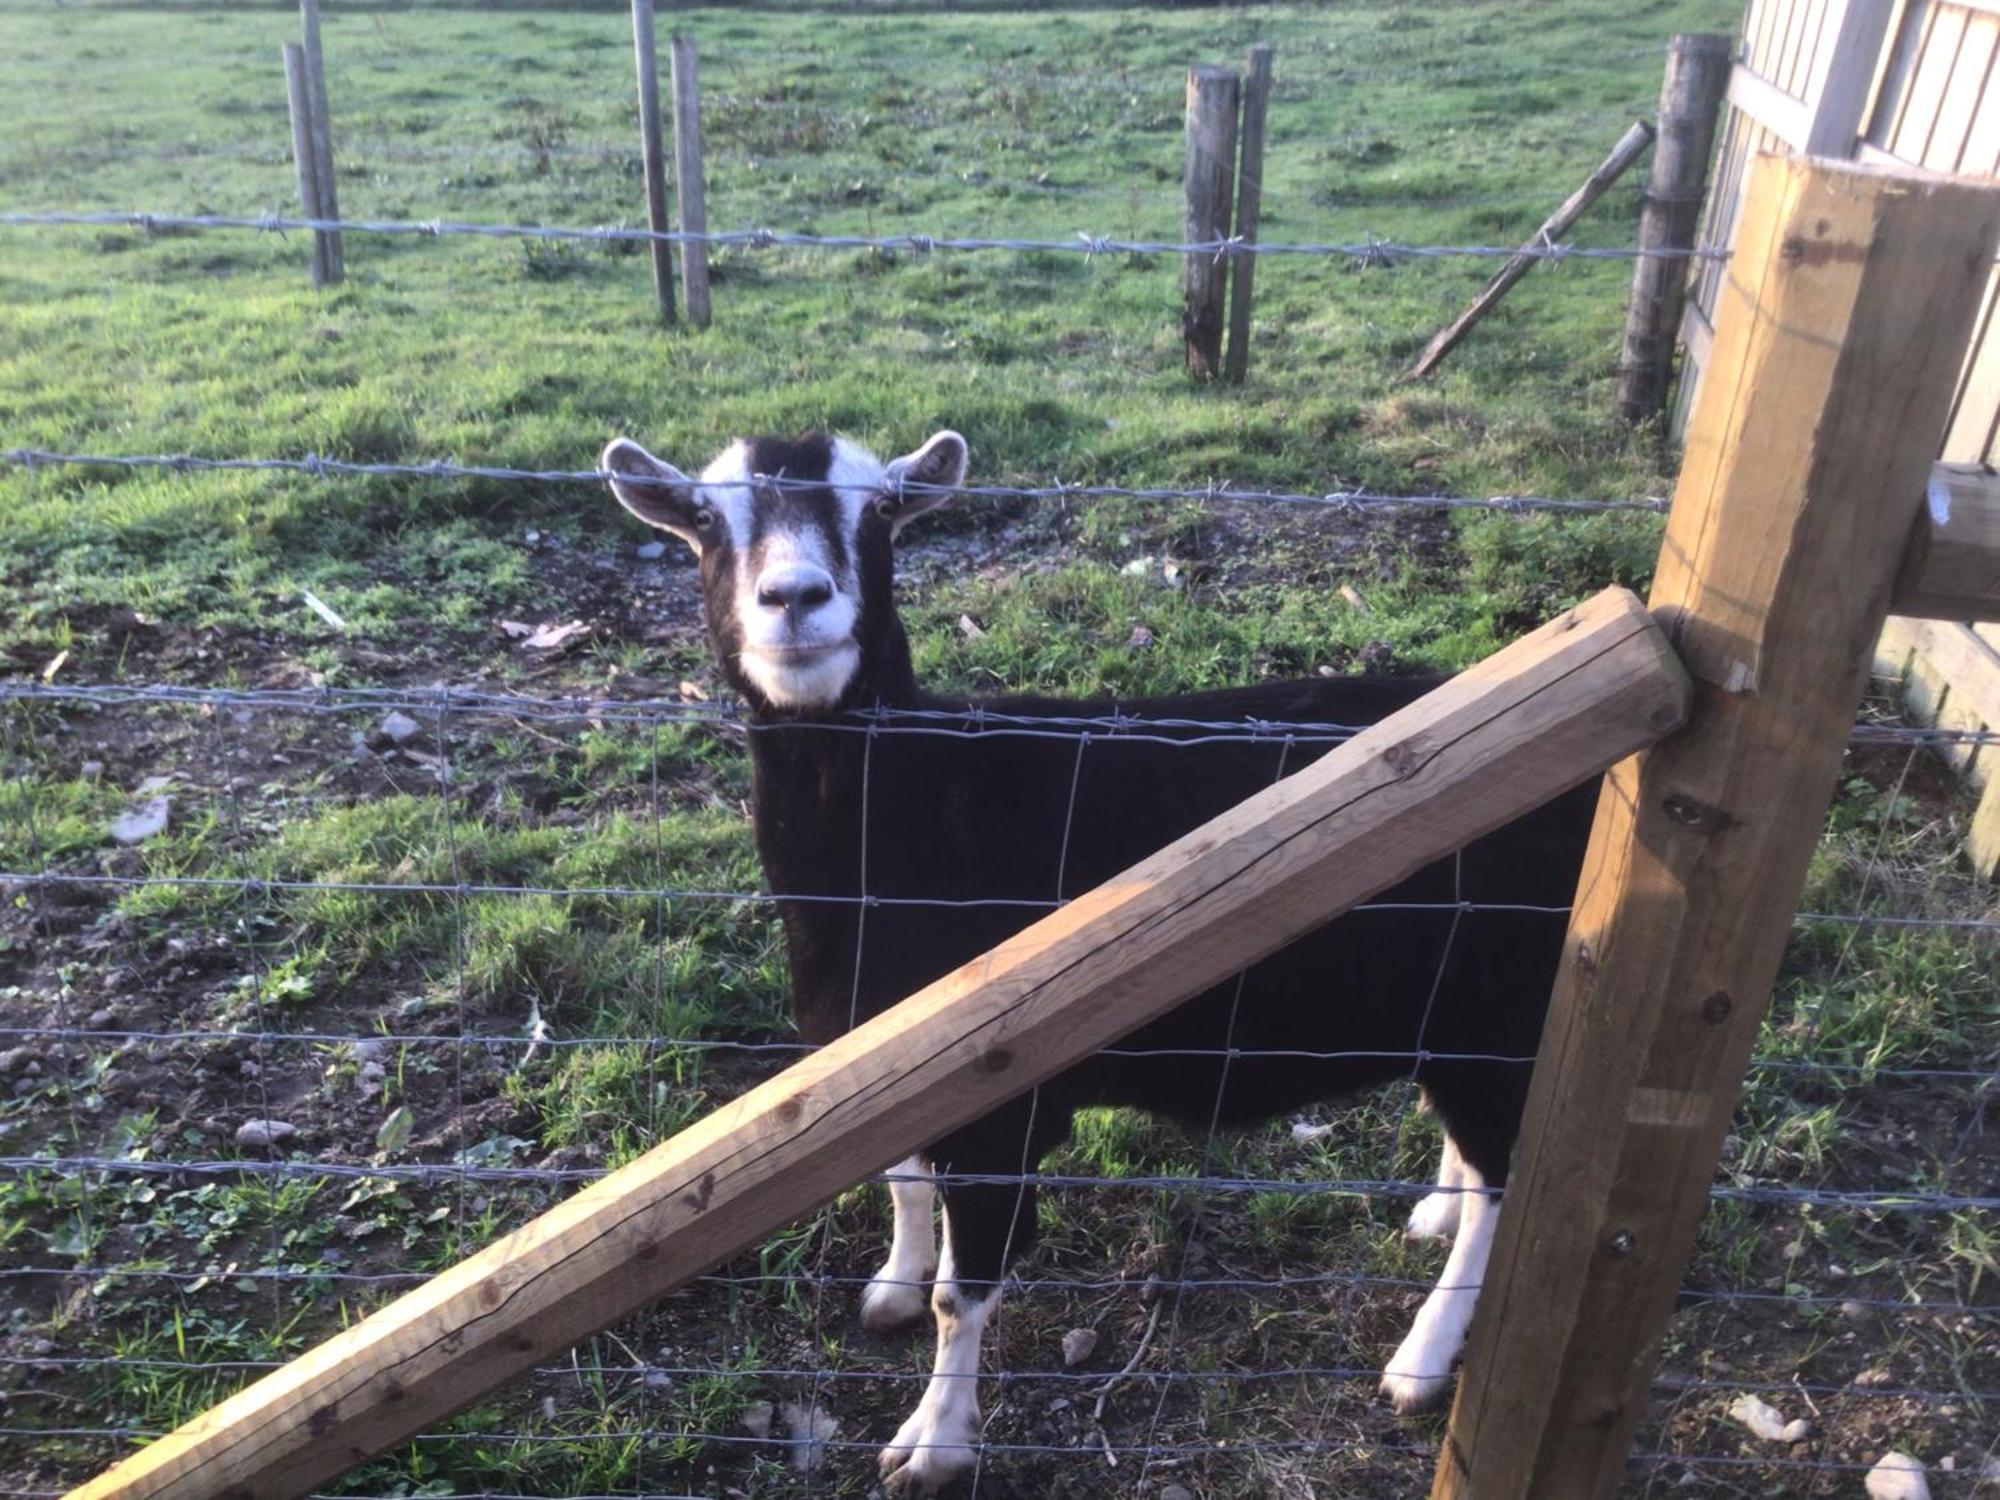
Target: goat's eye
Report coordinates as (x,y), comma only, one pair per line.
(885,506)
(704,520)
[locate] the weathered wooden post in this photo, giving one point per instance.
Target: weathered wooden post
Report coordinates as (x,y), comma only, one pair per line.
(1690,100)
(688,178)
(1842,324)
(657,218)
(1535,718)
(1211,160)
(322,139)
(298,96)
(1249,206)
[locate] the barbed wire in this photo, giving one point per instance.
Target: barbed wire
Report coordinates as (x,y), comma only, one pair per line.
(972,719)
(318,466)
(1373,252)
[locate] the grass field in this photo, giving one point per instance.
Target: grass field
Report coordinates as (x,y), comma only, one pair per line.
(1422,122)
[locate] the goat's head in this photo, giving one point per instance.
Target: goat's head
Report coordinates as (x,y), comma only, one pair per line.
(794,539)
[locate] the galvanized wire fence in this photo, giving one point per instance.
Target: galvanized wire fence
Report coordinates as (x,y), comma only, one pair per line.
(304,1084)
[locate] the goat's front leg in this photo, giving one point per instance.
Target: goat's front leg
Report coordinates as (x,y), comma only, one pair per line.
(983,1224)
(1420,1369)
(895,1298)
(1435,1216)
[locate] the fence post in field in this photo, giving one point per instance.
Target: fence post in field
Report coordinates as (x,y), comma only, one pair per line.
(298,96)
(1211,161)
(688,178)
(1541,715)
(650,152)
(1690,100)
(1841,328)
(322,139)
(1249,206)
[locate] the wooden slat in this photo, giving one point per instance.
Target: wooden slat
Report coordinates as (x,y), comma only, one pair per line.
(1951,568)
(1981,156)
(1918,18)
(1927,84)
(1770,106)
(1545,713)
(1944,151)
(1843,321)
(1975,405)
(1841,106)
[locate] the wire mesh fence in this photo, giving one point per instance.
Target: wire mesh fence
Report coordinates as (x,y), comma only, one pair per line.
(358,1006)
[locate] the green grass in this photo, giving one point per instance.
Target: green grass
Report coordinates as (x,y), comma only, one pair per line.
(1416,122)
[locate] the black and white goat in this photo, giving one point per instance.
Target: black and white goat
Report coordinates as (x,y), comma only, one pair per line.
(799,597)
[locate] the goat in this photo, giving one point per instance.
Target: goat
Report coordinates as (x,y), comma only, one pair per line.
(983,824)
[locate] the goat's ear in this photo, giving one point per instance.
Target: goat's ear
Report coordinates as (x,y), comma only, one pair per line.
(940,463)
(654,491)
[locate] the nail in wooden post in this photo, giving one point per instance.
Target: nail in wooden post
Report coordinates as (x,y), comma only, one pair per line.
(1691,94)
(1211,162)
(1630,147)
(1842,325)
(298,95)
(1545,713)
(1249,205)
(322,140)
(653,156)
(689,183)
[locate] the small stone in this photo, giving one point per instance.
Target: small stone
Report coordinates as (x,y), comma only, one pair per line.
(1870,1378)
(1949,1463)
(1897,1476)
(151,785)
(1078,1345)
(1767,1422)
(19,1060)
(656,1379)
(1176,1492)
(1854,1312)
(367,1049)
(143,821)
(91,770)
(533,538)
(1140,639)
(811,1430)
(398,727)
(264,1132)
(100,1019)
(651,551)
(757,1418)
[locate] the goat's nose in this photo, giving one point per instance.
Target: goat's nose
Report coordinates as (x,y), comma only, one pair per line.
(794,587)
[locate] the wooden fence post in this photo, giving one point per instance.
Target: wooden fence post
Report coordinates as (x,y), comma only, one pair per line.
(689,182)
(1249,206)
(298,96)
(1539,716)
(1211,160)
(322,139)
(1843,321)
(1690,100)
(652,156)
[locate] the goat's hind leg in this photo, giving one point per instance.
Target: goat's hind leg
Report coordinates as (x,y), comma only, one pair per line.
(895,1297)
(1420,1370)
(1435,1216)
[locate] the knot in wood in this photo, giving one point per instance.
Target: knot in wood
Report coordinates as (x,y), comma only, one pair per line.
(1621,1244)
(995,1060)
(1716,1008)
(1402,759)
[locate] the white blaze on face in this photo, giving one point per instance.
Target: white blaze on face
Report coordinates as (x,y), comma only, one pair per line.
(797,595)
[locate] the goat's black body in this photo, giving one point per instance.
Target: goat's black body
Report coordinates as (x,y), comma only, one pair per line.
(993,816)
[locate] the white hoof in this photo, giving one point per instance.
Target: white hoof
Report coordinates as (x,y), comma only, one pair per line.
(1410,1394)
(890,1303)
(930,1451)
(1435,1217)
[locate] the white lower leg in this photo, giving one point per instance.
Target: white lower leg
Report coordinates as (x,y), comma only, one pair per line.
(895,1298)
(939,1441)
(1420,1370)
(1436,1215)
